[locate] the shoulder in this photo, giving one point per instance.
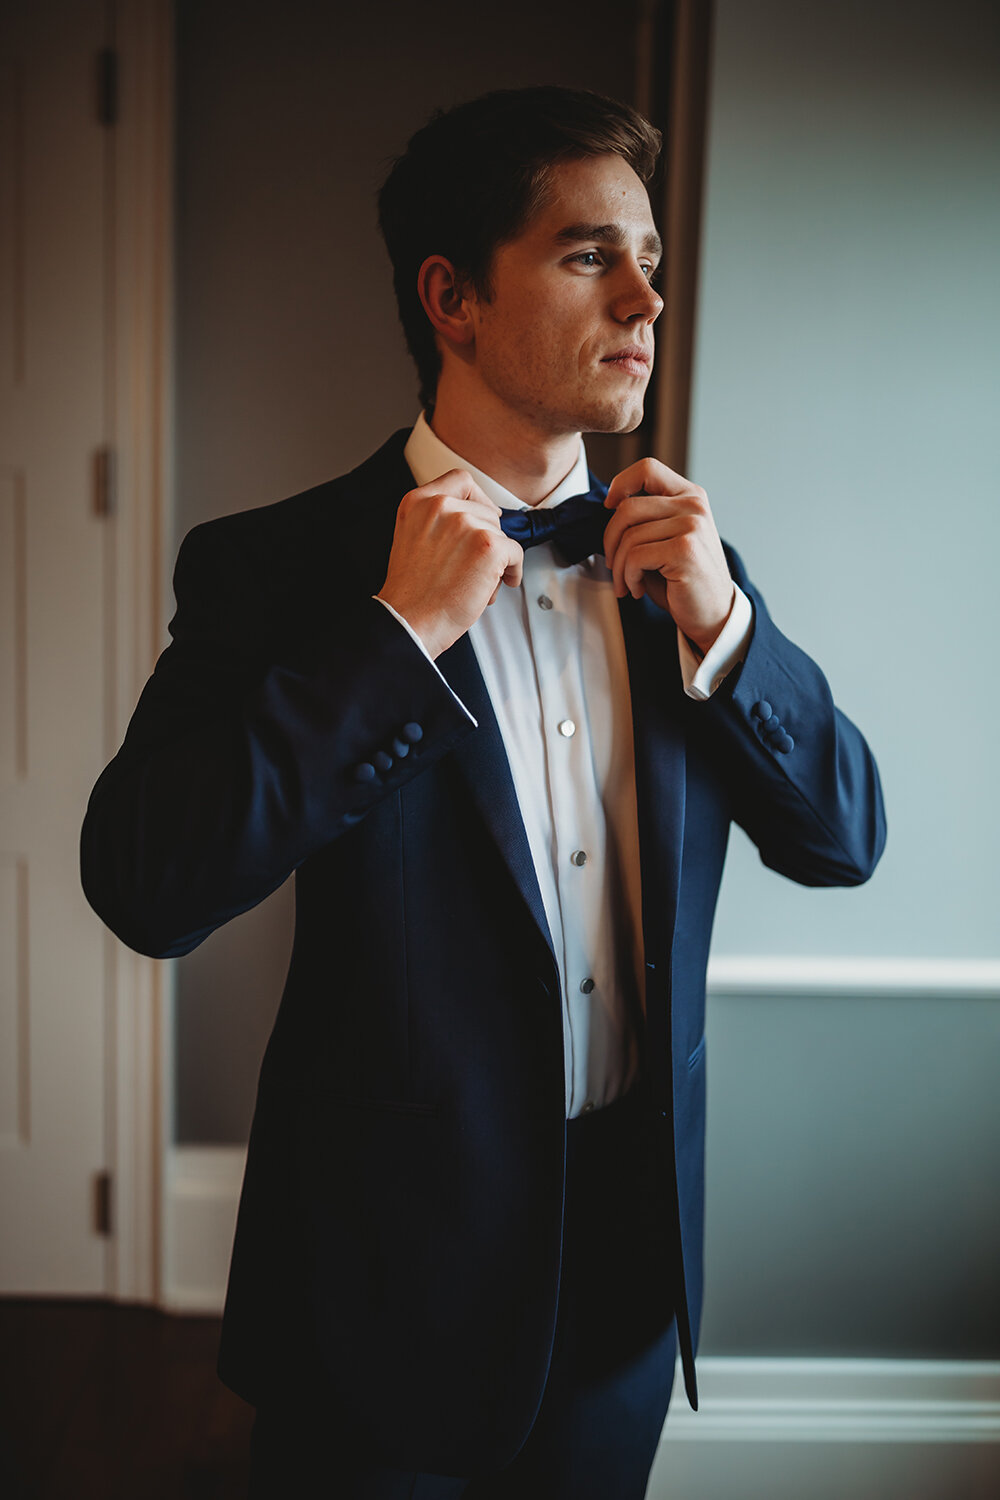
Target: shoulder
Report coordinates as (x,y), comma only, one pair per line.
(272,568)
(282,541)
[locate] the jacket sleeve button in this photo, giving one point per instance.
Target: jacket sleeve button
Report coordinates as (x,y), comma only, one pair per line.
(412,733)
(400,748)
(383,762)
(785,745)
(364,772)
(761,710)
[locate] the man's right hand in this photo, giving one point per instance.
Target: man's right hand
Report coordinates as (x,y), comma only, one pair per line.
(448,559)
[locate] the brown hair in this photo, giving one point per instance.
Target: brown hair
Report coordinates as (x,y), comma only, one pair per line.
(472,178)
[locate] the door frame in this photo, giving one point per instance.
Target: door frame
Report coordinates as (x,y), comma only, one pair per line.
(139,543)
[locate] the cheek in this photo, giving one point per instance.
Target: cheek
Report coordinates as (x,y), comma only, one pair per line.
(552,345)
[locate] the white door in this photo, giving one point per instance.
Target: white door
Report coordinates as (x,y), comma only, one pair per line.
(56,634)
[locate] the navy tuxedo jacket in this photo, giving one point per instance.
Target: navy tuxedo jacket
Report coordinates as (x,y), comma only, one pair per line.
(399,1230)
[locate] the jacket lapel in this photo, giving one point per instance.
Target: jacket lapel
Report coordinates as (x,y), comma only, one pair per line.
(659,772)
(654,683)
(482,761)
(480,758)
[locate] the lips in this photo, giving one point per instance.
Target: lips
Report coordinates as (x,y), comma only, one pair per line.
(633,360)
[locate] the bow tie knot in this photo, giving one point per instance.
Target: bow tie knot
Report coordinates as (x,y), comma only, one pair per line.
(575,526)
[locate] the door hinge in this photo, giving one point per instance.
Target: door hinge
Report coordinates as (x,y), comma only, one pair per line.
(107,86)
(102,1203)
(104,481)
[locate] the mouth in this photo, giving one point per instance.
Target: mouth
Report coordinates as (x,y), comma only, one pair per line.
(631,361)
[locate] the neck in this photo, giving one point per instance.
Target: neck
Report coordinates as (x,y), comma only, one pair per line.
(506,445)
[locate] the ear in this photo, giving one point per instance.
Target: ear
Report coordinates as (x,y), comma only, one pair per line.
(446,301)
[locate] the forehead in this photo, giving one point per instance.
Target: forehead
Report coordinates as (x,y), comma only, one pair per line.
(597,190)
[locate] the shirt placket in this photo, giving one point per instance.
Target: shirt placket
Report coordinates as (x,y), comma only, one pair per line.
(577,844)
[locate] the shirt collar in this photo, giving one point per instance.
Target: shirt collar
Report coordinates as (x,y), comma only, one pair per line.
(428,458)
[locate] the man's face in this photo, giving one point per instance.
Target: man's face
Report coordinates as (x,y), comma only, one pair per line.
(567,340)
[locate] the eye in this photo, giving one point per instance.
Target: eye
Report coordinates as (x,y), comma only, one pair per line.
(589,259)
(653,273)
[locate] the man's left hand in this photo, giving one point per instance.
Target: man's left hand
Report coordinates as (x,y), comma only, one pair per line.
(662,542)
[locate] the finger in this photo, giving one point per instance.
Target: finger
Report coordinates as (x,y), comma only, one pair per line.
(637,510)
(661,532)
(515,566)
(648,476)
(650,557)
(456,484)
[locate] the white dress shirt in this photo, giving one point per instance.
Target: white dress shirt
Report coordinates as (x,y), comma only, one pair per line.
(553,659)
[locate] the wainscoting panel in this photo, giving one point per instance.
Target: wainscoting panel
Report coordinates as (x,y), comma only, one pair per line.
(768,1429)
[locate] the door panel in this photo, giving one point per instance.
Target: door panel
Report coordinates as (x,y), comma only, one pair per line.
(54,625)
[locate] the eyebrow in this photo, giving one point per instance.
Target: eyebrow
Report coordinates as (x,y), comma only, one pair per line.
(607,234)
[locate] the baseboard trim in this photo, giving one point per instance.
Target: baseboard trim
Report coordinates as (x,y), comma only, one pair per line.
(201,1198)
(905,978)
(840,1400)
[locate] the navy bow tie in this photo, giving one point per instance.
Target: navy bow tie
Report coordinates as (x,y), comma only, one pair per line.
(575,526)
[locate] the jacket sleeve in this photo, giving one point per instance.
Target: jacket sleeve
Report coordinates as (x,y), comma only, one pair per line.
(251,748)
(803,782)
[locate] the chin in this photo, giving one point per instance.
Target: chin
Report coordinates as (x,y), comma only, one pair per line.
(620,420)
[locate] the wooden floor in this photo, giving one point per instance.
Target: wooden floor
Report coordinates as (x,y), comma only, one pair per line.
(102,1402)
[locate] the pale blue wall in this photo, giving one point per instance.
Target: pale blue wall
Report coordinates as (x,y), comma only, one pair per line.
(853,1208)
(845,426)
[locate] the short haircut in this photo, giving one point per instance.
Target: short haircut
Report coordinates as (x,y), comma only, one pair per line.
(472,178)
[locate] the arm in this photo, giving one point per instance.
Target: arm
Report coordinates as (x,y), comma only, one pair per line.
(803,782)
(801,779)
(243,755)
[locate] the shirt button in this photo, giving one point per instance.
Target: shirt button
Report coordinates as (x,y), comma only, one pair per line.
(544,602)
(567,729)
(578,857)
(586,985)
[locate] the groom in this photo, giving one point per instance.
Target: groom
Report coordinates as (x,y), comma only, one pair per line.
(501,754)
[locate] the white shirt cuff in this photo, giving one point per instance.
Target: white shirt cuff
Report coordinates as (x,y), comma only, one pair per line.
(419,643)
(703,674)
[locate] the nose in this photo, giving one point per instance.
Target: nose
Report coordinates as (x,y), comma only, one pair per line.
(636,298)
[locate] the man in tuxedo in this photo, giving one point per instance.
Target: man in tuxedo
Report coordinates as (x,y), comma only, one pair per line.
(500,739)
